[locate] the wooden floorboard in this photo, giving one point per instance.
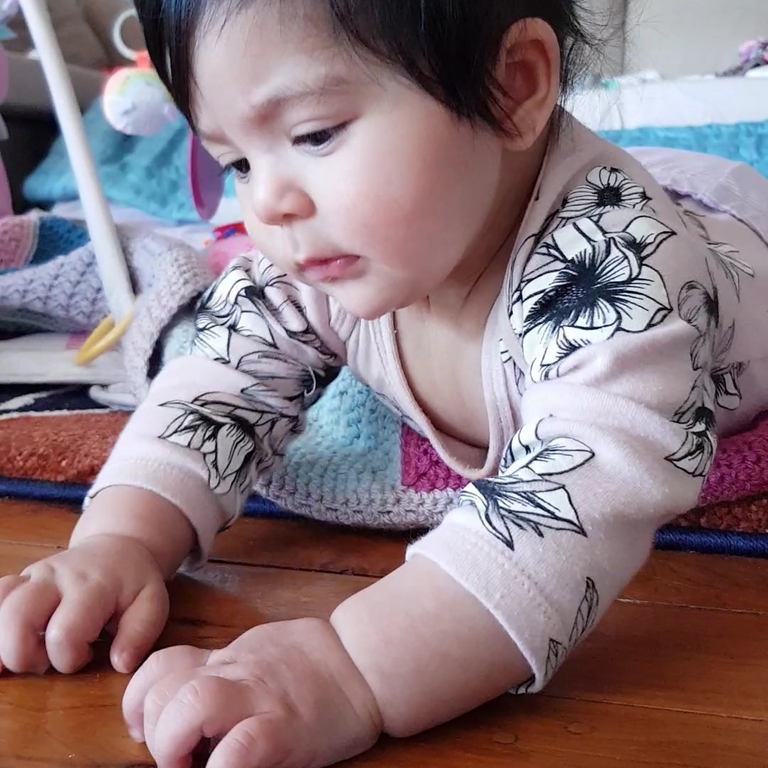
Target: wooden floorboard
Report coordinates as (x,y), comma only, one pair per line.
(675,675)
(75,722)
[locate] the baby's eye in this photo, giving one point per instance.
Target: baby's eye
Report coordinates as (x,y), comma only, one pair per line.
(318,139)
(241,168)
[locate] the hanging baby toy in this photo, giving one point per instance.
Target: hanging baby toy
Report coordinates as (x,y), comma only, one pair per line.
(136,102)
(111,260)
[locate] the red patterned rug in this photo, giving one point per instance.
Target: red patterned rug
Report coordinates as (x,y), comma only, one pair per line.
(54,441)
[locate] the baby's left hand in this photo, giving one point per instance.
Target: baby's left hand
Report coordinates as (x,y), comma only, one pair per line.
(282,695)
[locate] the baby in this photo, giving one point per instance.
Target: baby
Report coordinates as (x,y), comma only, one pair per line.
(571,327)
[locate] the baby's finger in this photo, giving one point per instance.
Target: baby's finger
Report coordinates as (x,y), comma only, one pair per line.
(263,741)
(24,616)
(158,666)
(75,625)
(162,693)
(139,627)
(205,707)
(7,585)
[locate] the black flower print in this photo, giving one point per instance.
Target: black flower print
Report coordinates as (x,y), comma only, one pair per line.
(260,307)
(234,438)
(717,380)
(213,323)
(701,310)
(726,381)
(519,379)
(586,616)
(697,417)
(711,349)
(228,308)
(282,384)
(223,434)
(641,238)
(506,355)
(523,497)
(585,284)
(693,221)
(607,189)
(724,256)
(508,360)
(273,292)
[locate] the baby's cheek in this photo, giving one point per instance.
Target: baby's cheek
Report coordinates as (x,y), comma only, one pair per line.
(256,231)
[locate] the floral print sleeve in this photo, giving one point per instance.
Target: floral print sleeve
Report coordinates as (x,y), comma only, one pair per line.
(618,332)
(262,354)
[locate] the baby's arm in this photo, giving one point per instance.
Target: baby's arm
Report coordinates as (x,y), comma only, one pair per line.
(180,472)
(618,434)
(429,650)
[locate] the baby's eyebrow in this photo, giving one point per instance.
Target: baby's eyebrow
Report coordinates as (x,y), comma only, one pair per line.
(264,110)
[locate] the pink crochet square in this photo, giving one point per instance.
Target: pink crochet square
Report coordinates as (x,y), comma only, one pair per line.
(421,469)
(740,468)
(18,240)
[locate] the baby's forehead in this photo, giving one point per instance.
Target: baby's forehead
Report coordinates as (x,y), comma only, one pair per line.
(261,36)
(261,74)
(297,23)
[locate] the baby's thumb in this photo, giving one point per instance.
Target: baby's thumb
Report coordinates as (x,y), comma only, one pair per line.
(139,627)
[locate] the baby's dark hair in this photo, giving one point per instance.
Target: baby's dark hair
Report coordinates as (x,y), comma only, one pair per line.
(449,48)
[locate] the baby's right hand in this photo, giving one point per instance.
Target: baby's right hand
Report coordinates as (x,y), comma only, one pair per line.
(57,607)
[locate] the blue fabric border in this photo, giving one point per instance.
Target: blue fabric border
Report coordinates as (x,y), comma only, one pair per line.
(670,538)
(710,542)
(73,493)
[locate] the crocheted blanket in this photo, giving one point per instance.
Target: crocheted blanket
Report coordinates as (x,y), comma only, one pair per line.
(55,439)
(356,453)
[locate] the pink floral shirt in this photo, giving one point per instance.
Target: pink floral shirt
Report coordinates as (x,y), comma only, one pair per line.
(631,330)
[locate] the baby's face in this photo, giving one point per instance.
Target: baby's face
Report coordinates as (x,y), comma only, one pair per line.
(350,178)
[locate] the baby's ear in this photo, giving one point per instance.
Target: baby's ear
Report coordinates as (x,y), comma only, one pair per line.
(528,77)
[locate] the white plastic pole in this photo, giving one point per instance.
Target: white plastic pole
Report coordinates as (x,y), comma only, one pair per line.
(112,267)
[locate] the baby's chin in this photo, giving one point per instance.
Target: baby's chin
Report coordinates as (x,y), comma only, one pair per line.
(366,306)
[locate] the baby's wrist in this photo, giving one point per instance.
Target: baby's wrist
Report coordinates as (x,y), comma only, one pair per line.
(142,516)
(356,684)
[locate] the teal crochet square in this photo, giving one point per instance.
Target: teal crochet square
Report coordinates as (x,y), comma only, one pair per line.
(146,173)
(351,445)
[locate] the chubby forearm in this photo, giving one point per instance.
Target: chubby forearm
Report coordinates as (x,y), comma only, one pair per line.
(142,516)
(427,648)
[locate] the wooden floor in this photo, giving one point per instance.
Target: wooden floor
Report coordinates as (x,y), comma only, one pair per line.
(676,675)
